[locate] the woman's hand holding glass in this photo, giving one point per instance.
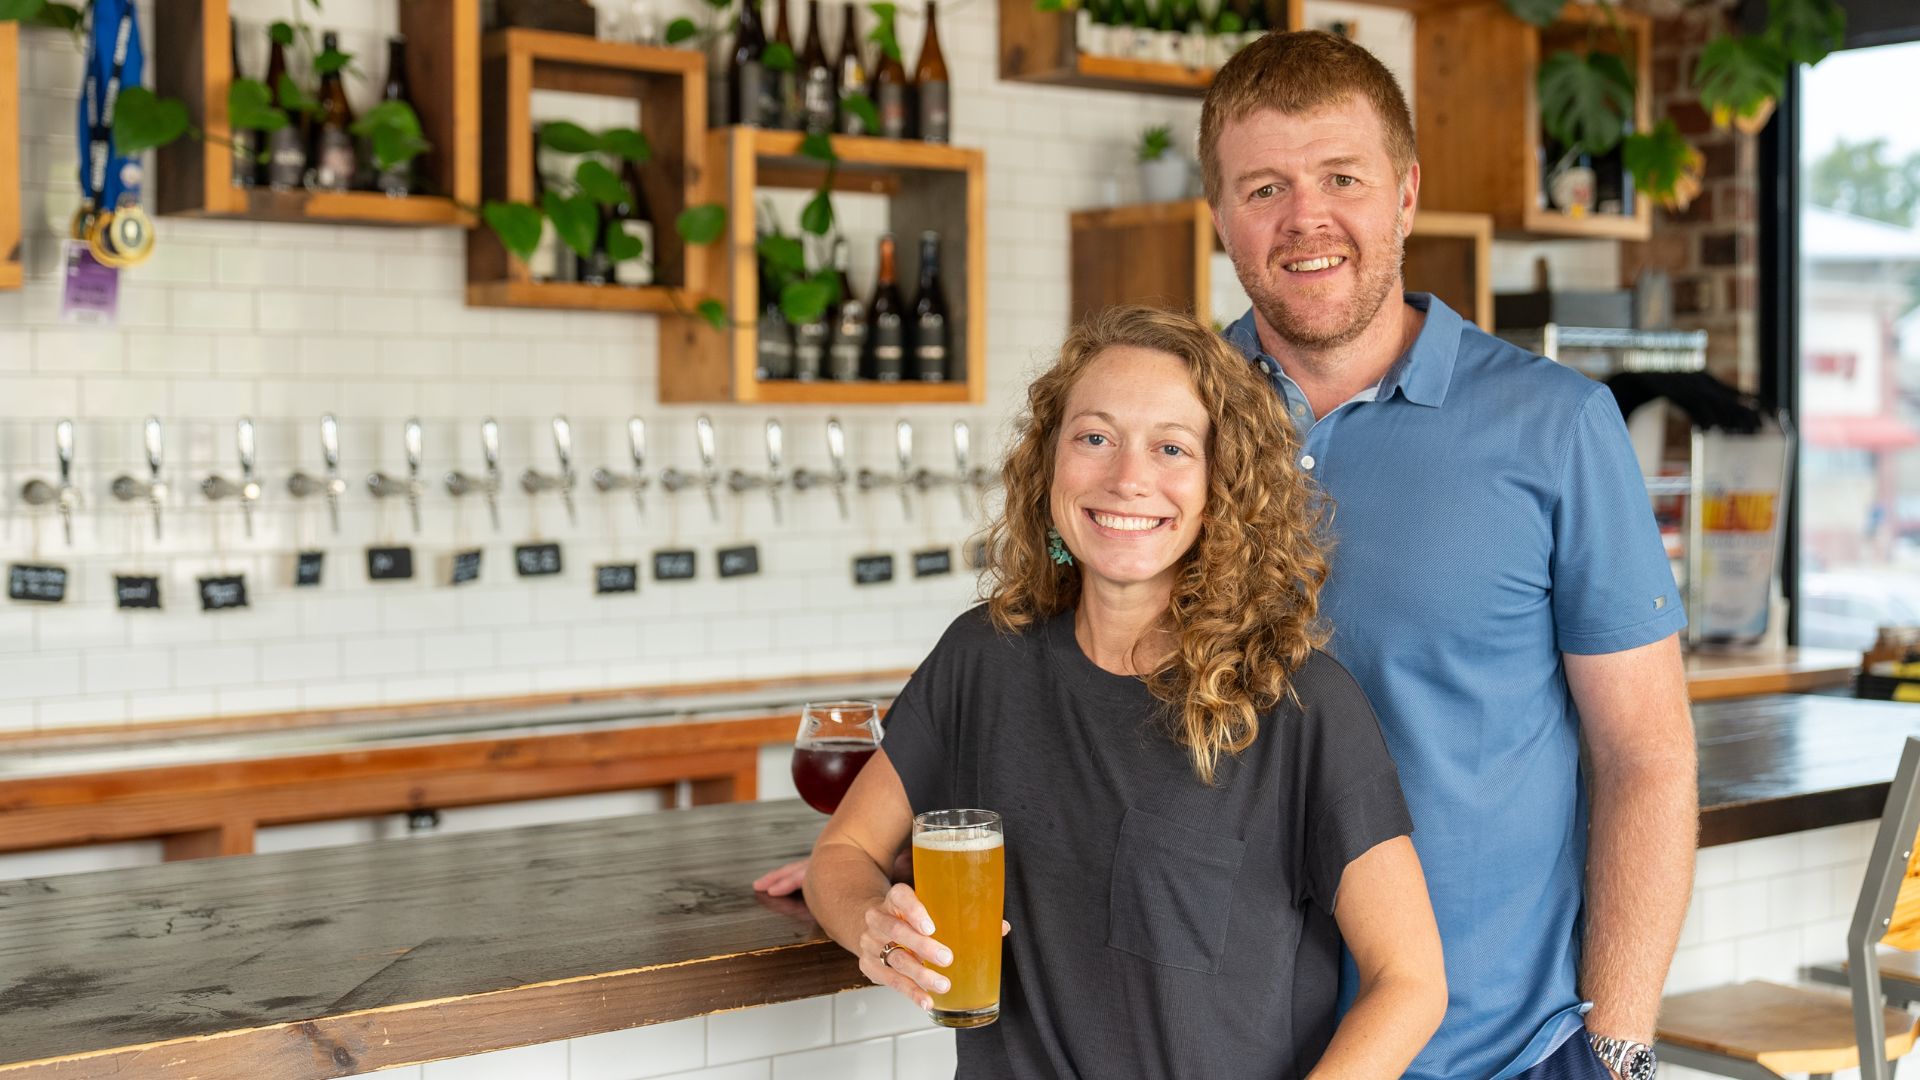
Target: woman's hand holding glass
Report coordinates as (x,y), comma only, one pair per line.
(901,920)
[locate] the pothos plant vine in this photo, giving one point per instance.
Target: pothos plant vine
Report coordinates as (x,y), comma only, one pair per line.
(144,120)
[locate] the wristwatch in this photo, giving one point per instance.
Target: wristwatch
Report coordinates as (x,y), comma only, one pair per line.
(1628,1060)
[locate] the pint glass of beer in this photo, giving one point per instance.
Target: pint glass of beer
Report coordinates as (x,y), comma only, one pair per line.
(959,872)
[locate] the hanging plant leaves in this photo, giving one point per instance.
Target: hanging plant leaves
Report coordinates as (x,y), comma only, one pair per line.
(40,13)
(330,61)
(598,183)
(1737,76)
(281,33)
(568,138)
(292,98)
(1541,13)
(142,121)
(576,220)
(778,57)
(1584,101)
(862,106)
(1806,30)
(627,143)
(882,32)
(680,30)
(516,224)
(783,254)
(394,147)
(621,244)
(60,17)
(701,224)
(817,217)
(805,301)
(1664,165)
(20,10)
(397,115)
(250,107)
(819,148)
(713,312)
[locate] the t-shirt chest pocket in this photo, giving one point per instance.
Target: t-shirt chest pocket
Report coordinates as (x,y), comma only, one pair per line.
(1172,892)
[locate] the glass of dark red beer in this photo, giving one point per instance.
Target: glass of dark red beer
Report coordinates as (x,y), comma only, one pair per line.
(836,738)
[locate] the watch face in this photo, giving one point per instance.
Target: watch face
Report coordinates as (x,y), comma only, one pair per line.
(1640,1065)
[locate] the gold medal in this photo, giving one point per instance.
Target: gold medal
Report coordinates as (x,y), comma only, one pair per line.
(101,243)
(82,223)
(131,233)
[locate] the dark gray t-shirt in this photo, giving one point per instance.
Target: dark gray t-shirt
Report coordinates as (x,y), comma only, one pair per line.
(1160,928)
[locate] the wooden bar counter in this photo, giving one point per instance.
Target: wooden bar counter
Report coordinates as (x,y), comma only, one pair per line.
(339,961)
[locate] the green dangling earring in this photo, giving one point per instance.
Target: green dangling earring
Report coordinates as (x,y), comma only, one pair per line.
(1057,548)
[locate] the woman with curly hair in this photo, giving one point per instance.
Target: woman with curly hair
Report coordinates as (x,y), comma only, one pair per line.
(1198,806)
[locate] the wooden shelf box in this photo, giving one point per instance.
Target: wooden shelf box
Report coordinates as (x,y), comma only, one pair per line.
(194,50)
(1162,254)
(670,86)
(1040,47)
(10,272)
(1477,110)
(931,186)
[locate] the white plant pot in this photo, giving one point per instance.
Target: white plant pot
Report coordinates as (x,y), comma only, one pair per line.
(1164,179)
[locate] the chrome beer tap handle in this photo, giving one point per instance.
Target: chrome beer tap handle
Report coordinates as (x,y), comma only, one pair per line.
(384,486)
(488,484)
(606,479)
(773,479)
(904,479)
(709,471)
(837,478)
(300,485)
(533,481)
(126,488)
(62,494)
(216,486)
(963,465)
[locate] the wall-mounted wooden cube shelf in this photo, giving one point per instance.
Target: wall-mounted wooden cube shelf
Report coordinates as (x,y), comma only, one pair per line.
(930,186)
(10,273)
(670,86)
(193,63)
(1477,110)
(1162,254)
(1041,47)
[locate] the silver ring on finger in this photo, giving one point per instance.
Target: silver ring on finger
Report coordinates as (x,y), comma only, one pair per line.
(887,951)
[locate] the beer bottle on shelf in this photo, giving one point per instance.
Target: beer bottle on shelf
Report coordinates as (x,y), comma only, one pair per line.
(635,218)
(851,73)
(395,180)
(850,326)
(332,153)
(930,87)
(930,332)
(819,97)
(246,143)
(551,260)
(810,345)
(597,267)
(748,82)
(892,95)
(286,167)
(773,337)
(887,352)
(792,109)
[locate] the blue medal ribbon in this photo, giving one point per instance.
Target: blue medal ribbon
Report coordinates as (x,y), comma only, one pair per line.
(114,59)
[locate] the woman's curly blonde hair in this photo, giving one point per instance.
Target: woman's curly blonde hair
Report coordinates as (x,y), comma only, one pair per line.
(1245,607)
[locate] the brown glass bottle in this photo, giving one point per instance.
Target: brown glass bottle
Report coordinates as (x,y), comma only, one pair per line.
(819,97)
(396,180)
(850,72)
(792,111)
(246,142)
(887,337)
(755,102)
(930,332)
(332,152)
(892,95)
(286,166)
(931,90)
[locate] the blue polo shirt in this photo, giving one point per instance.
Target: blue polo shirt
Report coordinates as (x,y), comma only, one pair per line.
(1488,516)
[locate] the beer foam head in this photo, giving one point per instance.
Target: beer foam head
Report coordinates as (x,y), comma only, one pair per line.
(963,839)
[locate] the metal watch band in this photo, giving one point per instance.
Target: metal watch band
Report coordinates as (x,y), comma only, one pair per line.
(1630,1060)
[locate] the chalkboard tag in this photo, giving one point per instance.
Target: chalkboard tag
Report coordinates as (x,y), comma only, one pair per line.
(872,569)
(739,561)
(977,555)
(389,563)
(616,577)
(36,584)
(307,567)
(466,567)
(132,591)
(537,560)
(673,565)
(932,562)
(221,593)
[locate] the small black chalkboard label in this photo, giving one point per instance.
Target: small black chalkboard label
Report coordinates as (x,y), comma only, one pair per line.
(537,560)
(389,563)
(221,593)
(673,565)
(872,569)
(307,567)
(616,577)
(739,561)
(135,591)
(977,555)
(932,562)
(36,584)
(466,566)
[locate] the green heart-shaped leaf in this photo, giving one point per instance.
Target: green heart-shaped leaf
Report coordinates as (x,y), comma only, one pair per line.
(568,138)
(882,31)
(281,33)
(1585,101)
(783,254)
(21,10)
(598,183)
(713,312)
(294,99)
(627,143)
(862,106)
(817,217)
(621,244)
(60,17)
(142,121)
(778,57)
(819,148)
(331,61)
(1737,73)
(250,107)
(393,147)
(701,224)
(576,220)
(680,30)
(804,301)
(518,226)
(395,115)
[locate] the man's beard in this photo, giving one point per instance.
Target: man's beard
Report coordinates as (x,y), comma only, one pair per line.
(1377,280)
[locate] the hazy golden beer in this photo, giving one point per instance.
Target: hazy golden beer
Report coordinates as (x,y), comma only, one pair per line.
(960,873)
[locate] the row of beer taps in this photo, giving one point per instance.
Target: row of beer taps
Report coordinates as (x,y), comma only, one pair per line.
(967,479)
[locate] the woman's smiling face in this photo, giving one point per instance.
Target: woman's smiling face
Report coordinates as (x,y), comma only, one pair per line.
(1130,469)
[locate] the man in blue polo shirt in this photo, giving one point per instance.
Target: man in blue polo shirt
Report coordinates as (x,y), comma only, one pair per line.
(1499,588)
